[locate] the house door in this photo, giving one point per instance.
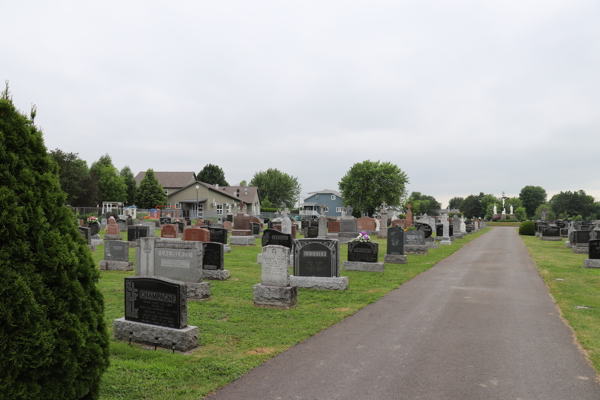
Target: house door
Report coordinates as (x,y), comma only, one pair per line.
(199,210)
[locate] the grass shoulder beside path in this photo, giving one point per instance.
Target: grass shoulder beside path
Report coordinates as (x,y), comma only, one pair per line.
(575,289)
(500,223)
(235,336)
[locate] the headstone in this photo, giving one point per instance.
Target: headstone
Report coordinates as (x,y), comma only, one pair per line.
(395,241)
(228,225)
(165,220)
(218,235)
(446,231)
(213,258)
(112,228)
(156,314)
(197,235)
(317,257)
(155,301)
(365,224)
(415,238)
(169,231)
(242,222)
(85,234)
(274,289)
(333,227)
(314,222)
(383,229)
(271,237)
(274,267)
(363,251)
(151,228)
(230,218)
(122,224)
(134,232)
(348,224)
(593,260)
(129,220)
(322,228)
(199,222)
(304,224)
(255,228)
(312,232)
(94,228)
(286,225)
(116,250)
(426,229)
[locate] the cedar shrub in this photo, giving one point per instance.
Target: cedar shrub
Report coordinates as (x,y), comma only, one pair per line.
(53,339)
(527,228)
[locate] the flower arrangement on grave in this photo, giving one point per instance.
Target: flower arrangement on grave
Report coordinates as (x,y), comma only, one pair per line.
(363,237)
(91,219)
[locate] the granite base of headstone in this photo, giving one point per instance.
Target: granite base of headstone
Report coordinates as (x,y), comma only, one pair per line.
(415,249)
(274,289)
(243,241)
(216,275)
(319,282)
(431,243)
(551,238)
(591,263)
(395,258)
(106,265)
(364,266)
(97,240)
(580,249)
(156,314)
(458,235)
(112,236)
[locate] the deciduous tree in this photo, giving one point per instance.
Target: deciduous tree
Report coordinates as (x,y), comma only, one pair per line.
(532,197)
(75,179)
(423,204)
(129,181)
(213,175)
(369,183)
(111,186)
(280,188)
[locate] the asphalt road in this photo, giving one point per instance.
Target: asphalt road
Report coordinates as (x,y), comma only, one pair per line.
(478,325)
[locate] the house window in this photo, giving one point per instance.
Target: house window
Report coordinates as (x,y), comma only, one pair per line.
(317,197)
(339,209)
(177,205)
(166,191)
(219,209)
(228,207)
(333,197)
(325,209)
(169,205)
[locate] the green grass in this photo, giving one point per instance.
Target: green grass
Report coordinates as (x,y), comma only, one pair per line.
(579,287)
(235,336)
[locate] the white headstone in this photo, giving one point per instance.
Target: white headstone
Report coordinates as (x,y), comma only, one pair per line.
(274,266)
(286,225)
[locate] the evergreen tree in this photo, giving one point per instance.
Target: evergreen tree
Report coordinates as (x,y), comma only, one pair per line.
(53,338)
(150,193)
(129,181)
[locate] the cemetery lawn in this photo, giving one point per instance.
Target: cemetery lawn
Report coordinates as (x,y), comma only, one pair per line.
(577,287)
(235,336)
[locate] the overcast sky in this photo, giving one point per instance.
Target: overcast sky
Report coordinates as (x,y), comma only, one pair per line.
(464,96)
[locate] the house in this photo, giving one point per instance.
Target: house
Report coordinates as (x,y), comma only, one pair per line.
(202,200)
(170,181)
(331,199)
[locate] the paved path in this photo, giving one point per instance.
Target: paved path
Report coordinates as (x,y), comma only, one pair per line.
(479,325)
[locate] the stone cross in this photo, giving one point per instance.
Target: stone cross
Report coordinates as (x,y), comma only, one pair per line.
(348,211)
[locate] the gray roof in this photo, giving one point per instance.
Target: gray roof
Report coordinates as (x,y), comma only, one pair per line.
(338,194)
(169,180)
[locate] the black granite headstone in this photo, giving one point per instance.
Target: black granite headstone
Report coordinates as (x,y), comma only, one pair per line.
(316,259)
(274,237)
(304,223)
(218,235)
(85,233)
(312,232)
(363,251)
(553,231)
(165,220)
(582,238)
(155,301)
(180,226)
(134,232)
(213,257)
(395,240)
(594,252)
(425,228)
(94,228)
(314,222)
(230,217)
(255,228)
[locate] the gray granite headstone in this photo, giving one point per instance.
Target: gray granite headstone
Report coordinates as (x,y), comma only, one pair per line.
(415,238)
(116,250)
(348,224)
(174,259)
(286,225)
(274,266)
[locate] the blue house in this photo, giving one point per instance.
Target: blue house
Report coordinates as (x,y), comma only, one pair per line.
(332,199)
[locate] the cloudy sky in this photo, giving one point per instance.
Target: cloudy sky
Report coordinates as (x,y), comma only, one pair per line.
(464,96)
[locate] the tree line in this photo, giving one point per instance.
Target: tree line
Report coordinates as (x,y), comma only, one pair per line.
(531,203)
